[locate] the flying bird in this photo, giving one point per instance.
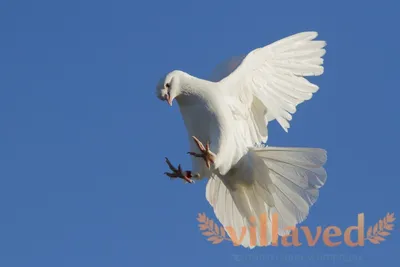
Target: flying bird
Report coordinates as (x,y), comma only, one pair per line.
(226,118)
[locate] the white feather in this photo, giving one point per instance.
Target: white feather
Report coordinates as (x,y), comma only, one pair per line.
(274,74)
(282,181)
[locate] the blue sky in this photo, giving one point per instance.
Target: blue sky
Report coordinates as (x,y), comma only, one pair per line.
(83,138)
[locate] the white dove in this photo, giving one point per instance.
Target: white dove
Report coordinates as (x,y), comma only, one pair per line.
(230,112)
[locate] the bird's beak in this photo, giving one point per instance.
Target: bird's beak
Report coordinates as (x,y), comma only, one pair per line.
(169,100)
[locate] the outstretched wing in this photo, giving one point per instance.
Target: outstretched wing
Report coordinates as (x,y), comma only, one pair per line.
(269,82)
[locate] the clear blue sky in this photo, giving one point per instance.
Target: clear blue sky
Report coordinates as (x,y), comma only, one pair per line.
(83,138)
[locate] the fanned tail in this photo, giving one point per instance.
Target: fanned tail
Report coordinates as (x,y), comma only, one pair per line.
(269,180)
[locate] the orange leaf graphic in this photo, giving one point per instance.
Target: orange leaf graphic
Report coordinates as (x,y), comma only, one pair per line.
(208,233)
(389,227)
(375,234)
(222,231)
(211,224)
(213,238)
(373,241)
(217,241)
(216,229)
(215,233)
(369,231)
(201,218)
(203,227)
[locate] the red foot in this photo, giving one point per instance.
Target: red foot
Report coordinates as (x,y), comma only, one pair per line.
(206,154)
(178,173)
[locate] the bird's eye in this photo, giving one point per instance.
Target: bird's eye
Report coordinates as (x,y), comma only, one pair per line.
(167,85)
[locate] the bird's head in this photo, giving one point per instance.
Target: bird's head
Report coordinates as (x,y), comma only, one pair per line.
(168,88)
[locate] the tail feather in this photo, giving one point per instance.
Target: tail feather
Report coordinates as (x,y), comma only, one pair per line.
(271,180)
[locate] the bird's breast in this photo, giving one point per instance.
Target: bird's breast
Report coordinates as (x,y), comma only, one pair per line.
(210,119)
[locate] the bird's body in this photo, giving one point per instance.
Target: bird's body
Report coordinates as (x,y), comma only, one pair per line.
(208,117)
(232,111)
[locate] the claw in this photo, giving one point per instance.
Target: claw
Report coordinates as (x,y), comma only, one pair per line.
(198,143)
(206,154)
(179,173)
(172,168)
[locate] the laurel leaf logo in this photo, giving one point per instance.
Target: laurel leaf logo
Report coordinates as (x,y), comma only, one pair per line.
(376,234)
(216,234)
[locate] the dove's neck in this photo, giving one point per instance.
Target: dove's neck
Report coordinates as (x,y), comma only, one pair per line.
(193,89)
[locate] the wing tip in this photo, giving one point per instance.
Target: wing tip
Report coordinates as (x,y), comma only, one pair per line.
(310,35)
(286,128)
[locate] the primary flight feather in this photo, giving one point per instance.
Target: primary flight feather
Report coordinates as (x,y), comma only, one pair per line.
(226,118)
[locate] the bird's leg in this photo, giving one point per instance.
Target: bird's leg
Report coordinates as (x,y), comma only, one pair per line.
(206,153)
(179,173)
